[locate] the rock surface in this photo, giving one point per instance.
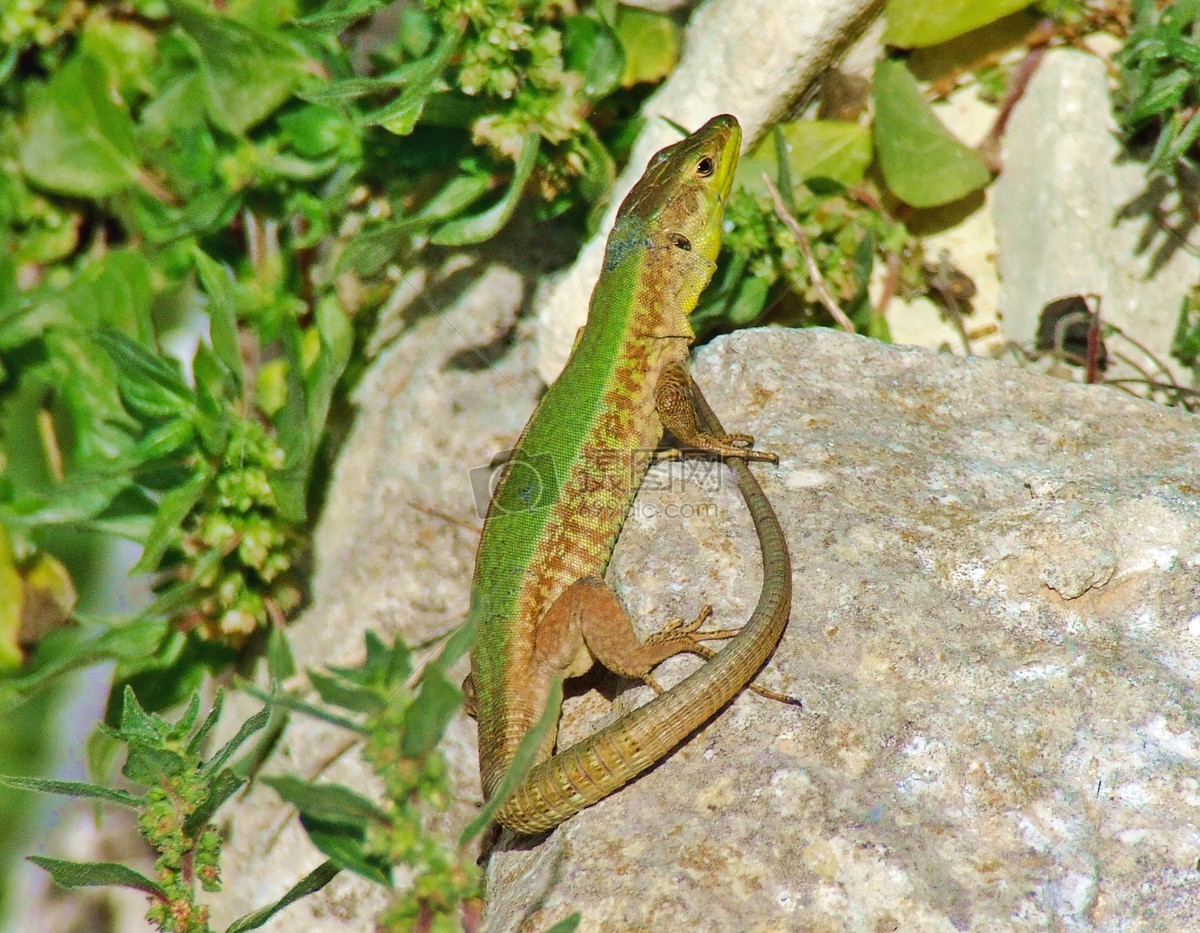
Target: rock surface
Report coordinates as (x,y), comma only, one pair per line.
(996,633)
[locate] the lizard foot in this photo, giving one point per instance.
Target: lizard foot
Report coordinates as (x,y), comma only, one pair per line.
(677,627)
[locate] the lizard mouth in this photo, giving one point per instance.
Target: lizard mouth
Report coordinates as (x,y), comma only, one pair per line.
(728,132)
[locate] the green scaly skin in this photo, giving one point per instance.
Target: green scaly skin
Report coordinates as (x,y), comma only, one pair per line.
(538,590)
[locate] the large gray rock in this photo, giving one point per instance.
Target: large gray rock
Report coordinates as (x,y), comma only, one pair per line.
(995,631)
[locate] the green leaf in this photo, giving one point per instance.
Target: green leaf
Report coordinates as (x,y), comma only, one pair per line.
(151,765)
(87,874)
(290,702)
(651,44)
(70,502)
(327,803)
(217,279)
(922,162)
(430,713)
(401,115)
(567,924)
(172,510)
(209,210)
(464,231)
(830,149)
(599,170)
(114,291)
(337,341)
(252,725)
(80,140)
(289,484)
(395,663)
(68,649)
(748,301)
(309,884)
(337,692)
(916,23)
(73,789)
(281,664)
(136,723)
(1185,342)
(316,131)
(351,88)
(12,600)
(1184,50)
(1165,94)
(196,742)
(368,252)
(151,385)
(591,48)
(215,393)
(383,668)
(346,847)
(160,442)
(247,73)
(183,725)
(337,15)
(89,386)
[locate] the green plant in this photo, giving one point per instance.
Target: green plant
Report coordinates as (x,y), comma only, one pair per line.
(181,793)
(1158,93)
(400,729)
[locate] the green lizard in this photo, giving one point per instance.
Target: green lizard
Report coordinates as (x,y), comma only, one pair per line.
(544,610)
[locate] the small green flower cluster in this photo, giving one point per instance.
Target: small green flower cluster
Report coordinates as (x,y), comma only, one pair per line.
(513,52)
(182,857)
(239,518)
(444,878)
(843,236)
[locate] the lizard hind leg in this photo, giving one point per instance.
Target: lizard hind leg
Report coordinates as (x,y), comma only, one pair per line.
(588,614)
(588,621)
(680,626)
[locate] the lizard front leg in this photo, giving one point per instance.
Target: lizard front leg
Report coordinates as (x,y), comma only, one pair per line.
(677,411)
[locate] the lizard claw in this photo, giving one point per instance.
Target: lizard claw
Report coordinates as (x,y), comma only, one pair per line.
(677,627)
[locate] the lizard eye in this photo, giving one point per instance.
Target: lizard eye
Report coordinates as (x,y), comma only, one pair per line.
(704,167)
(681,241)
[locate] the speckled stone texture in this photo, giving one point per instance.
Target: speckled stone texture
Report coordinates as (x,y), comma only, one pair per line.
(996,634)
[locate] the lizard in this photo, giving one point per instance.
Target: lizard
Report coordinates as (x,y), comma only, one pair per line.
(545,612)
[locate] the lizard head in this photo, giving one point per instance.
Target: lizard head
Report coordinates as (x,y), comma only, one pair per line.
(686,185)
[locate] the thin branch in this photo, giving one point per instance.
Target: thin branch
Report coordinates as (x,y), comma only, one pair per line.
(792,224)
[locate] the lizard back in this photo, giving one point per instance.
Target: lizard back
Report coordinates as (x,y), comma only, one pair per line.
(577,466)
